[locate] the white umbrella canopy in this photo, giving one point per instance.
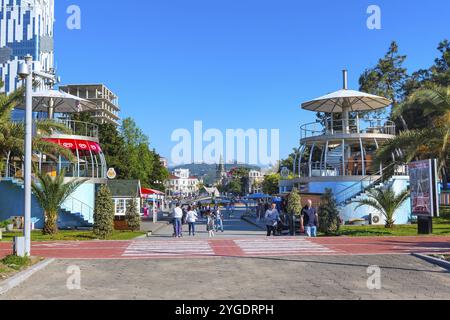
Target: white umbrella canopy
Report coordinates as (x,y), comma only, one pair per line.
(60,102)
(346,101)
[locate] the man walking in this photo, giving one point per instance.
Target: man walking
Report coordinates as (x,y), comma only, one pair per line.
(178,224)
(191,219)
(272,218)
(219,220)
(309,220)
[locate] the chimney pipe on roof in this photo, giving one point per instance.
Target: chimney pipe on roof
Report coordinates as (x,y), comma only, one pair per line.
(345,77)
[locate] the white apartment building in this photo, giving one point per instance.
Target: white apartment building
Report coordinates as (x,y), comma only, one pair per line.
(181,183)
(255,179)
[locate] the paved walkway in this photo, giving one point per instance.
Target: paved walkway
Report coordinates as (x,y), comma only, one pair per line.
(236,247)
(240,239)
(303,278)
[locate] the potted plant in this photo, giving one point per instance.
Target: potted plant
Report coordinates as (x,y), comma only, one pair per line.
(2,226)
(9,225)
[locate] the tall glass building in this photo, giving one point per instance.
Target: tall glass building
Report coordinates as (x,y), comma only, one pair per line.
(26,28)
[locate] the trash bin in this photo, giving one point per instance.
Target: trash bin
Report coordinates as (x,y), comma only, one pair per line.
(425,224)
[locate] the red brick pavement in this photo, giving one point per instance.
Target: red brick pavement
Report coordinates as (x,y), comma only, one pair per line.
(255,246)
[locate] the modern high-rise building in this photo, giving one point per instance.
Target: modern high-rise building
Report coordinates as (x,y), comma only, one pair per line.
(107,102)
(26,28)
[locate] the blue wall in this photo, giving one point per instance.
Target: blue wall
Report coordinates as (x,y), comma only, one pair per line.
(12,203)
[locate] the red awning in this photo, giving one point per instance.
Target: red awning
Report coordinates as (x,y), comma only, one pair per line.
(146,191)
(73,144)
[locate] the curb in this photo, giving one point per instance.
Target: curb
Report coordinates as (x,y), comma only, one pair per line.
(21,277)
(435,261)
(253,223)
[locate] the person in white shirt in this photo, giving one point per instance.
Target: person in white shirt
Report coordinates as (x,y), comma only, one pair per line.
(191,219)
(219,219)
(177,217)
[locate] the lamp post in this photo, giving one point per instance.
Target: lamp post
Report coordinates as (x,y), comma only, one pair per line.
(25,73)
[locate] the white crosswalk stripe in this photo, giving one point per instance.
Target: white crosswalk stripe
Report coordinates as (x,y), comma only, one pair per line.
(168,249)
(281,247)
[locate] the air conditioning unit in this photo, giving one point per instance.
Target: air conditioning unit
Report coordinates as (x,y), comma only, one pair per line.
(376,219)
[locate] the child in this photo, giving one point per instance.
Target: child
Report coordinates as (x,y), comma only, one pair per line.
(210,224)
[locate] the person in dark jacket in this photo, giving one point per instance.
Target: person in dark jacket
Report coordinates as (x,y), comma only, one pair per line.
(309,221)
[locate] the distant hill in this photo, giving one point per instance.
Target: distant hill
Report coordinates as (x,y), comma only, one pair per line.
(208,171)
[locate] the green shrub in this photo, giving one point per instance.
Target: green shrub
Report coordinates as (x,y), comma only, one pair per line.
(329,220)
(15,262)
(103,213)
(4,224)
(132,216)
(294,203)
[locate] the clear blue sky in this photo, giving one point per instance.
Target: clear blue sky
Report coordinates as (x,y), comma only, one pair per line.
(235,63)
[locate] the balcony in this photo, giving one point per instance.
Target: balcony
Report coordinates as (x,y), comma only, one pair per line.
(330,127)
(77,128)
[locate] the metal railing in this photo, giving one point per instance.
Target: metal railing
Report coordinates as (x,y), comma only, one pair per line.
(11,171)
(74,205)
(369,182)
(338,169)
(354,126)
(78,128)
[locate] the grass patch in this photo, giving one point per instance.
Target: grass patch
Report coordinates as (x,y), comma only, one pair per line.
(12,264)
(15,262)
(441,227)
(65,235)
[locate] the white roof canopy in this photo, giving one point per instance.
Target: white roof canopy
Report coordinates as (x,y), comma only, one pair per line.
(346,100)
(62,102)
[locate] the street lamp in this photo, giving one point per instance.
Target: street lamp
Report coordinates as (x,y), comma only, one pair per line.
(25,73)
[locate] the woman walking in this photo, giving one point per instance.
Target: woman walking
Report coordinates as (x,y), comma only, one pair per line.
(191,219)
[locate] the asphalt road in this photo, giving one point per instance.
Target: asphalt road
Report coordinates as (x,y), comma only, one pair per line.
(304,278)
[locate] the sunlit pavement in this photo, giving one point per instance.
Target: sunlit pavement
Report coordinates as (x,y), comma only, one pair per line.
(239,239)
(240,263)
(229,278)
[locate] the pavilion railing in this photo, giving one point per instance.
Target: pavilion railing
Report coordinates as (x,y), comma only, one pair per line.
(353,126)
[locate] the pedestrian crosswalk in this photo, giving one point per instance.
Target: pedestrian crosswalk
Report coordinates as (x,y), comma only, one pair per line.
(281,247)
(168,249)
(180,248)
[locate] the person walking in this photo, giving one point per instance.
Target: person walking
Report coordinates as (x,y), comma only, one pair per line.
(272,218)
(178,224)
(210,224)
(219,220)
(191,219)
(309,220)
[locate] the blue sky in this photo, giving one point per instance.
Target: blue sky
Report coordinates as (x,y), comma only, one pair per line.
(235,63)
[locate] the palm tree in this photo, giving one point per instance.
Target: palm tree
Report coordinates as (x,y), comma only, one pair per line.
(385,201)
(51,193)
(430,142)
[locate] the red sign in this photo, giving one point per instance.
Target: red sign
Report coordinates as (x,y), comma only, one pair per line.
(73,144)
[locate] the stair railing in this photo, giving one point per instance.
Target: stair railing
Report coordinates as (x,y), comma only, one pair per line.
(74,205)
(364,184)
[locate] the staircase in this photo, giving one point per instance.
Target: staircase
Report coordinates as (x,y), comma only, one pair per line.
(334,158)
(79,209)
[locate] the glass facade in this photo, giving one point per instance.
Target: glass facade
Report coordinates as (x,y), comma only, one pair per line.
(26,28)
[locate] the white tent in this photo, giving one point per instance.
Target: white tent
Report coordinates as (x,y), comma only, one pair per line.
(52,101)
(345,101)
